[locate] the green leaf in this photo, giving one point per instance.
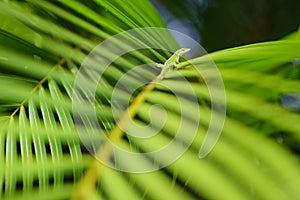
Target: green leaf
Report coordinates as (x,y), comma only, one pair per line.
(42,155)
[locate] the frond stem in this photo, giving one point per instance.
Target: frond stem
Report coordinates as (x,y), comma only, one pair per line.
(89,180)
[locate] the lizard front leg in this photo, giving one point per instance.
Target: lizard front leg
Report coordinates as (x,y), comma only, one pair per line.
(159,65)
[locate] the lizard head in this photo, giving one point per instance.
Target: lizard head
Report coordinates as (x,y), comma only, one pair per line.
(181,51)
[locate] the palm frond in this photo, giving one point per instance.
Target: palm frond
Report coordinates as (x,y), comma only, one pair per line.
(42,46)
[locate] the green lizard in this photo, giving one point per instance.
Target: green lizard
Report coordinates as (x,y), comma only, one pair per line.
(171,63)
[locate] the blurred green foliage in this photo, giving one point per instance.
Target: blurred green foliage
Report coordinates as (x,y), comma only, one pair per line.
(42,46)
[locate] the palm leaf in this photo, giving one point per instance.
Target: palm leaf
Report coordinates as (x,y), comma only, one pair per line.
(42,46)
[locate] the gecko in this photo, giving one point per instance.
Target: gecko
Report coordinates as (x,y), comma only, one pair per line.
(171,63)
